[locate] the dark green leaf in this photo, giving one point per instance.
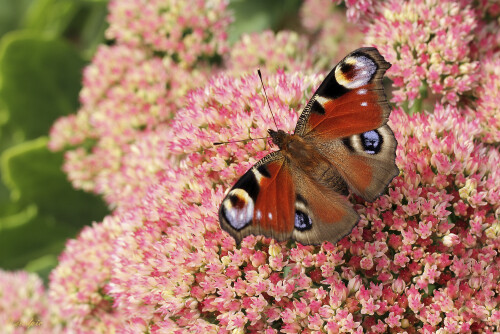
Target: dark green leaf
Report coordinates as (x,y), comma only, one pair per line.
(40,237)
(80,21)
(51,16)
(257,15)
(40,81)
(11,13)
(46,210)
(34,175)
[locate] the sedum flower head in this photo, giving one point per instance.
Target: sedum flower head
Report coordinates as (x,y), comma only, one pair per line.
(422,258)
(22,301)
(127,97)
(79,285)
(187,31)
(285,50)
(24,307)
(487,106)
(428,43)
(132,89)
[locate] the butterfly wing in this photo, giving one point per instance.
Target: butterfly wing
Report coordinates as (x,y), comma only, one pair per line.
(365,161)
(350,100)
(279,201)
(321,213)
(346,122)
(261,202)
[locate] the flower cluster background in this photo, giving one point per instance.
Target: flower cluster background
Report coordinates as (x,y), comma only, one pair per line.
(133,245)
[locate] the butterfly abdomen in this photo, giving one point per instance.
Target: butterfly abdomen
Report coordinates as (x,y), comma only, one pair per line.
(303,155)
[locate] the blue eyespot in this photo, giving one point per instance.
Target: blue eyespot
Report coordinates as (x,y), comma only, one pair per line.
(302,221)
(371,141)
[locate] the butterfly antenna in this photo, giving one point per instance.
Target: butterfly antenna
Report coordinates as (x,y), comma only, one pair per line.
(237,141)
(265,94)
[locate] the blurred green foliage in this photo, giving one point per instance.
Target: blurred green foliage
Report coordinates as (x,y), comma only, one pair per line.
(257,15)
(43,48)
(45,69)
(44,45)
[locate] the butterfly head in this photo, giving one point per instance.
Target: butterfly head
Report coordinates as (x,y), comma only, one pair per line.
(278,137)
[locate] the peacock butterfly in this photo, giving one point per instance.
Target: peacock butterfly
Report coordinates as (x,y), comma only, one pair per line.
(341,141)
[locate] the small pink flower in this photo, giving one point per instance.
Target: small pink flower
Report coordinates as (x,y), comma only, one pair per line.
(366,263)
(393,320)
(369,307)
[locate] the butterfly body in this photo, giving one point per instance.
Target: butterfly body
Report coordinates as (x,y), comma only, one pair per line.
(295,148)
(341,142)
(301,154)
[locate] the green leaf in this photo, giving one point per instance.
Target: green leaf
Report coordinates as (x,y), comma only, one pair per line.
(40,237)
(257,15)
(40,79)
(11,13)
(91,32)
(34,176)
(43,265)
(80,21)
(48,210)
(52,16)
(14,215)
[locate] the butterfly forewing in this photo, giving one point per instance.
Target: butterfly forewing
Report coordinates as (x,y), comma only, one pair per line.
(277,200)
(350,100)
(261,202)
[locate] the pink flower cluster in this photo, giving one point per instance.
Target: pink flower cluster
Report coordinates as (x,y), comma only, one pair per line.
(23,305)
(135,86)
(359,10)
(186,31)
(428,43)
(487,105)
(333,37)
(424,256)
(123,99)
(78,285)
(285,50)
(488,9)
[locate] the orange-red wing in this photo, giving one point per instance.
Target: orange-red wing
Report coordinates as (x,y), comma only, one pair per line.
(351,113)
(350,100)
(367,170)
(274,208)
(330,215)
(261,202)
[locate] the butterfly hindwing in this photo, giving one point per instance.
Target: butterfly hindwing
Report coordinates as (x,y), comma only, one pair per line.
(350,100)
(366,161)
(321,213)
